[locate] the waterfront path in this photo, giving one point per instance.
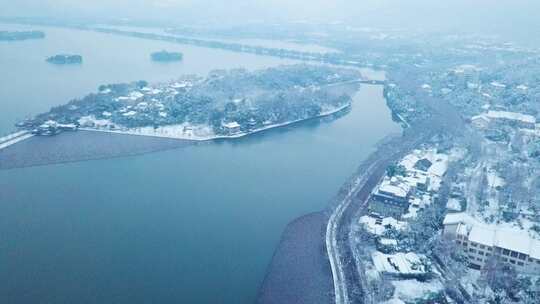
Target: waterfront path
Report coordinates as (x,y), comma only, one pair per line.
(14,138)
(79,146)
(346,275)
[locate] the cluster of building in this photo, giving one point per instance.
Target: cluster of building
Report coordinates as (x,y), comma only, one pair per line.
(52,127)
(482,242)
(400,264)
(492,119)
(395,201)
(412,188)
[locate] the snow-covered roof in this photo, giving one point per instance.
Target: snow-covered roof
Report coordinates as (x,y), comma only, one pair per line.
(415,179)
(511,116)
(453,204)
(498,84)
(135,95)
(480,117)
(91,120)
(373,227)
(482,236)
(455,218)
(411,291)
(231,125)
(399,263)
(513,240)
(461,229)
(130,113)
(49,123)
(409,161)
(491,235)
(388,242)
(182,84)
(395,186)
(439,167)
(535,250)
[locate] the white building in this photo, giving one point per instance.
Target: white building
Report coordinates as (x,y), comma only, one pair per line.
(231,127)
(391,198)
(424,171)
(522,120)
(399,263)
(481,241)
(480,121)
(377,225)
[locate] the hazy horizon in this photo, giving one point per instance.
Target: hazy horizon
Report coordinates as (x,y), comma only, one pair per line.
(510,18)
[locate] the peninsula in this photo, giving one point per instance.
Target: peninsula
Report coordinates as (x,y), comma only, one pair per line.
(225,104)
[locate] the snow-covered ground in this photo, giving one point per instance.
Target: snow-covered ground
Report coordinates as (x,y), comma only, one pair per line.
(398,263)
(411,290)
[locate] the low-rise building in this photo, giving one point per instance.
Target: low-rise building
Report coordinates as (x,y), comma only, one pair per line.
(378,225)
(484,120)
(423,172)
(391,198)
(400,264)
(480,122)
(482,242)
(51,127)
(231,128)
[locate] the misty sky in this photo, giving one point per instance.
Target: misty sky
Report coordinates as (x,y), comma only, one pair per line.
(517,16)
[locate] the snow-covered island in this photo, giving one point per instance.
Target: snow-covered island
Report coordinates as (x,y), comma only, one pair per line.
(225,104)
(165,56)
(65,59)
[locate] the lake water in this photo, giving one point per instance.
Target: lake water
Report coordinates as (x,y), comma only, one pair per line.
(192,225)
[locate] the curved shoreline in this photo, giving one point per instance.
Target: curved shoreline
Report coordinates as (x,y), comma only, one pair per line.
(86,145)
(220,137)
(91,144)
(299,271)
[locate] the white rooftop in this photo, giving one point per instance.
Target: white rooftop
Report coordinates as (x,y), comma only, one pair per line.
(482,236)
(453,204)
(409,161)
(378,227)
(395,186)
(402,263)
(491,235)
(498,84)
(511,116)
(231,125)
(455,218)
